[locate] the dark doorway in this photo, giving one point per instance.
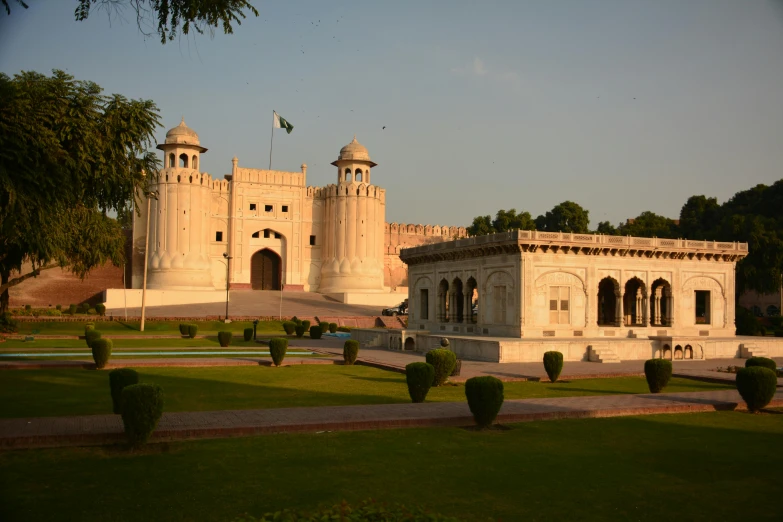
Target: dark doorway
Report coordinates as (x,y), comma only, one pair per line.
(265,270)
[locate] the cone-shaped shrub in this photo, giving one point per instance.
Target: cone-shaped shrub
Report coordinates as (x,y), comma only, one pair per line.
(332,327)
(553,364)
(485,397)
(419,376)
(192,330)
(764,362)
(316,332)
(119,379)
(142,407)
(299,330)
(248,334)
(658,372)
(289,327)
(444,362)
(101,309)
(306,325)
(757,385)
(91,335)
(350,351)
(101,352)
(183,329)
(277,348)
(224,338)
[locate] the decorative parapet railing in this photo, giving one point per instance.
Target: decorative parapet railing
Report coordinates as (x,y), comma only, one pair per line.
(533,240)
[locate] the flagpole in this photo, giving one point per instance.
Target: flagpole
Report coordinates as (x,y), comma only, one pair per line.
(271,139)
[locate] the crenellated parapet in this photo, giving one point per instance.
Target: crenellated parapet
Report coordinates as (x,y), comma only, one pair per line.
(426,230)
(269,177)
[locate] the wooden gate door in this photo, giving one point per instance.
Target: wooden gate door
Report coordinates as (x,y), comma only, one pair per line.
(265,270)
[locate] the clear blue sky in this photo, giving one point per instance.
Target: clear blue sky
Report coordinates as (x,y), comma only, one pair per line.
(622,106)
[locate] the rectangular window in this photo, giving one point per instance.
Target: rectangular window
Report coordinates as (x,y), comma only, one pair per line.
(219,235)
(267,208)
(252,206)
(559,305)
(285,208)
(266,233)
(424,304)
(312,240)
(702,307)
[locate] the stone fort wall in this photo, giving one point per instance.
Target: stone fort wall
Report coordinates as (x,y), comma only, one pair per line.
(401,235)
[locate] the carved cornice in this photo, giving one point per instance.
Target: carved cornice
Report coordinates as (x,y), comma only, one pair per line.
(525,241)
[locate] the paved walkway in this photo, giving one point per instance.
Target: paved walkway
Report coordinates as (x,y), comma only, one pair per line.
(107,429)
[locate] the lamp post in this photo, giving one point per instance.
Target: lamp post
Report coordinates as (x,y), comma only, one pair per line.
(228,259)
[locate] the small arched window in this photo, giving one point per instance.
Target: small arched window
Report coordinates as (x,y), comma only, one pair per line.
(358,175)
(172,161)
(183,160)
(194,165)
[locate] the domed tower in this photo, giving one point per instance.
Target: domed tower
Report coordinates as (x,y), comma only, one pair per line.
(355,213)
(179,217)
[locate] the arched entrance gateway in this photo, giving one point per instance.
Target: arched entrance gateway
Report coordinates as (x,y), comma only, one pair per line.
(265,270)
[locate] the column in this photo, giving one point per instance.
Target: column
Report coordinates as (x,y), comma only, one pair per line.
(657,308)
(467,311)
(620,320)
(669,311)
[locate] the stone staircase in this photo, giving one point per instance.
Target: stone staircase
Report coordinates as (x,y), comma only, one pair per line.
(751,350)
(601,353)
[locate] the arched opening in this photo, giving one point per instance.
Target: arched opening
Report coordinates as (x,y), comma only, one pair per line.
(194,164)
(472,300)
(459,299)
(661,303)
(634,302)
(347,178)
(183,160)
(358,176)
(773,311)
(172,160)
(443,301)
(678,352)
(667,352)
(265,270)
(410,344)
(608,298)
(688,353)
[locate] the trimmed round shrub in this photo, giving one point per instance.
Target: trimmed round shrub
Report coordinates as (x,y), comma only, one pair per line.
(277,348)
(91,335)
(658,372)
(84,308)
(306,325)
(299,330)
(485,397)
(296,320)
(350,351)
(324,326)
(315,332)
(119,379)
(419,377)
(183,329)
(59,307)
(444,362)
(101,352)
(142,407)
(248,334)
(28,307)
(192,330)
(289,327)
(553,364)
(72,309)
(101,309)
(332,327)
(224,338)
(764,362)
(343,328)
(88,327)
(757,386)
(457,369)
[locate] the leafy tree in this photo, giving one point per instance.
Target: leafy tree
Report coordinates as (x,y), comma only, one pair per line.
(565,217)
(68,155)
(649,224)
(482,225)
(510,220)
(606,228)
(171,15)
(699,218)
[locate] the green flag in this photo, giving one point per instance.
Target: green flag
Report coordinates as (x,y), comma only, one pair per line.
(281,123)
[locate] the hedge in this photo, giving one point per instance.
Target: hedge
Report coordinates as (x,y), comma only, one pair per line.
(419,377)
(332,327)
(142,407)
(764,362)
(553,364)
(101,352)
(757,385)
(444,362)
(343,328)
(350,351)
(485,397)
(192,330)
(658,372)
(289,327)
(224,338)
(277,348)
(119,379)
(300,330)
(248,334)
(91,335)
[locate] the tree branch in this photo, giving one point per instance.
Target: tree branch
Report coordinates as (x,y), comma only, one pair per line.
(17,280)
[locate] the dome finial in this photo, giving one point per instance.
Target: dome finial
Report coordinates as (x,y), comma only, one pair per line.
(182,123)
(354,139)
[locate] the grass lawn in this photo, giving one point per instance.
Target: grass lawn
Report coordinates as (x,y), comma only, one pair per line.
(150,327)
(15,345)
(39,393)
(694,467)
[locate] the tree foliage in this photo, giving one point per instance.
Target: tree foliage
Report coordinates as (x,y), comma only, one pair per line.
(565,217)
(649,224)
(68,155)
(171,16)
